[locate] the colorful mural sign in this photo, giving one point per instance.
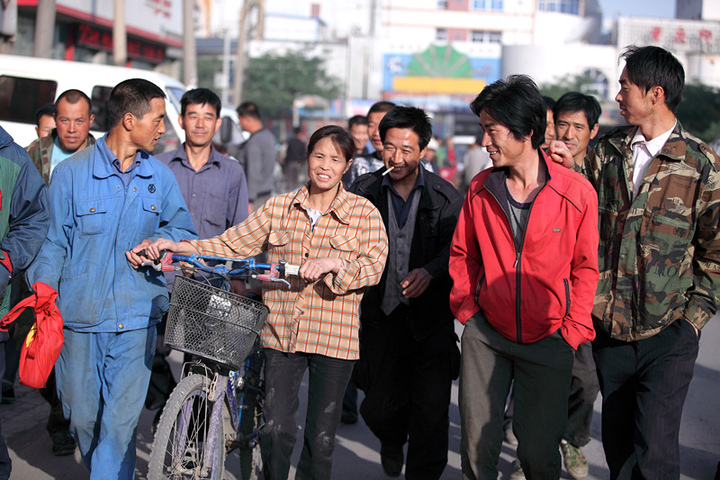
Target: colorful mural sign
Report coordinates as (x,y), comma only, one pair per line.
(439,70)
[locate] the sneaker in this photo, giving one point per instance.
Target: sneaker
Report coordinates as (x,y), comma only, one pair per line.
(392,460)
(62,442)
(518,473)
(575,462)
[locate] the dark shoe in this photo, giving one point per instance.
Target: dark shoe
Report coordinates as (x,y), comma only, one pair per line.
(392,460)
(8,394)
(63,443)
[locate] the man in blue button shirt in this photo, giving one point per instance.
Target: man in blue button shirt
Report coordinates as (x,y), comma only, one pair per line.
(108,202)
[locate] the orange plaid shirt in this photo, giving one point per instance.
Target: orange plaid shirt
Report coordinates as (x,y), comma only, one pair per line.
(321,317)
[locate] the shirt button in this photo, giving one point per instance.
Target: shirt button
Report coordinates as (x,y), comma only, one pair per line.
(622,256)
(619,297)
(134,189)
(152,207)
(306,254)
(121,326)
(92,210)
(118,186)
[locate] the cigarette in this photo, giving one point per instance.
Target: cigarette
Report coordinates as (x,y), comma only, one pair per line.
(387,171)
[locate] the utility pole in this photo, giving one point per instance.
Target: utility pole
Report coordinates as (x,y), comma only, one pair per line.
(189,48)
(44,29)
(247,7)
(119,35)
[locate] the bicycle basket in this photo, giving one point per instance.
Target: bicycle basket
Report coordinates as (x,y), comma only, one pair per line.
(212,323)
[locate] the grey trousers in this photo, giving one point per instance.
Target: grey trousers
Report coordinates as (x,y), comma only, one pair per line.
(542,374)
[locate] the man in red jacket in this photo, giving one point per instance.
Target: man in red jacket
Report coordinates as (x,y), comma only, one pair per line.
(524,266)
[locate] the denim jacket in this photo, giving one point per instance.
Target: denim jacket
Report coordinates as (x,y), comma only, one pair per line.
(94,219)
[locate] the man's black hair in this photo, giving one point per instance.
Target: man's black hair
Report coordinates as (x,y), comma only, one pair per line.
(73,96)
(131,96)
(357,120)
(578,102)
(382,106)
(649,67)
(248,109)
(408,117)
(549,102)
(47,109)
(517,104)
(200,96)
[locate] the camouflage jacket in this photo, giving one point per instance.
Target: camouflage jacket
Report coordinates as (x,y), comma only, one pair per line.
(659,255)
(40,150)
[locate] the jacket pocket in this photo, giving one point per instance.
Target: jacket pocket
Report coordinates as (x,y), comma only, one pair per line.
(348,246)
(150,215)
(215,211)
(278,241)
(567,296)
(92,216)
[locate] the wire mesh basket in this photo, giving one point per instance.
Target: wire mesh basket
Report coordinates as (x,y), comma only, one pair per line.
(212,323)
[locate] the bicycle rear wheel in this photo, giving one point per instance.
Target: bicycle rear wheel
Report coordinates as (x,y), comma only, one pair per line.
(180,449)
(251,421)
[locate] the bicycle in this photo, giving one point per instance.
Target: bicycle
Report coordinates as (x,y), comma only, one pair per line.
(217,406)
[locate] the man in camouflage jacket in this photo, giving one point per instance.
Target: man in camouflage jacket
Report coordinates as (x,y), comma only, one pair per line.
(73,118)
(659,259)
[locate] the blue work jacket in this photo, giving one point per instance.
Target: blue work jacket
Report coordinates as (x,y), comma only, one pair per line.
(95,217)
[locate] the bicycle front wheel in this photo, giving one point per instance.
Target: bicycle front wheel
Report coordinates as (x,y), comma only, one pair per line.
(182,449)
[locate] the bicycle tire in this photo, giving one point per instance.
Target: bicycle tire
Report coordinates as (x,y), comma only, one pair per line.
(250,457)
(178,448)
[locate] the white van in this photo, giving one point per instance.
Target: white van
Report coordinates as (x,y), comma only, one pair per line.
(28,83)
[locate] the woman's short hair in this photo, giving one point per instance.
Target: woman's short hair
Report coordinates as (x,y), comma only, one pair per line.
(339,137)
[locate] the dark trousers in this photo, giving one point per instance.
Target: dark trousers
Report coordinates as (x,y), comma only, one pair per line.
(5,462)
(541,372)
(583,392)
(283,376)
(644,385)
(407,390)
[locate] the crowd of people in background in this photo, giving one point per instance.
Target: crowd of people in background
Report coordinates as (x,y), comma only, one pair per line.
(575,270)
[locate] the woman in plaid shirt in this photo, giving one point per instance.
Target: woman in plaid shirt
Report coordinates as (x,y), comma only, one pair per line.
(340,242)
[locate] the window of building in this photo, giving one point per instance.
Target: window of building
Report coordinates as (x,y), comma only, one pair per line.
(21,97)
(442,4)
(561,6)
(481,36)
(493,5)
(441,34)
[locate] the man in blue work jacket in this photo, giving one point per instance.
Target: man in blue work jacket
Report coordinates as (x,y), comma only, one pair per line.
(107,203)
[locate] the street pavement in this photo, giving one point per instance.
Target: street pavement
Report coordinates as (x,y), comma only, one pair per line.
(356,449)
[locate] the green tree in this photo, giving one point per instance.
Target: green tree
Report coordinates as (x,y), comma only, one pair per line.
(699,111)
(569,83)
(274,80)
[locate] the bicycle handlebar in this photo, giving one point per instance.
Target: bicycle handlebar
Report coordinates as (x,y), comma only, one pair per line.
(276,272)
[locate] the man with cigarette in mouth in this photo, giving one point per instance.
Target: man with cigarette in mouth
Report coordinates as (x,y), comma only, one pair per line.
(408,352)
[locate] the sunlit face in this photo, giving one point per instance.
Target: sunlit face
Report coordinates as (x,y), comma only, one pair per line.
(549,129)
(73,124)
(360,136)
(45,126)
(326,166)
(200,123)
(374,129)
(402,153)
(502,146)
(635,105)
(572,129)
(147,130)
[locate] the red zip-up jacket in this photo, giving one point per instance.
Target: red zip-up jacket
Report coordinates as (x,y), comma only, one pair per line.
(550,282)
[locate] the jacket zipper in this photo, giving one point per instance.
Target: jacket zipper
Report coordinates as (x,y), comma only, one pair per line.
(518,269)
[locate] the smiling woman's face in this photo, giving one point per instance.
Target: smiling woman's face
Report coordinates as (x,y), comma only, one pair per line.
(326,165)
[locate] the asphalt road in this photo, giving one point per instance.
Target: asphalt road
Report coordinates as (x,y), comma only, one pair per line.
(356,449)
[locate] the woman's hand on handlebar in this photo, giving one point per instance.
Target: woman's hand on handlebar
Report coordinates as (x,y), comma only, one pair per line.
(313,270)
(182,248)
